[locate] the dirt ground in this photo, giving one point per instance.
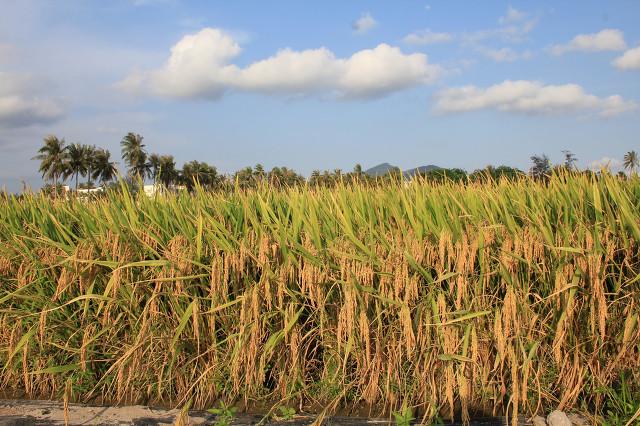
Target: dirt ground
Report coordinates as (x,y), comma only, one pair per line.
(26,412)
(40,413)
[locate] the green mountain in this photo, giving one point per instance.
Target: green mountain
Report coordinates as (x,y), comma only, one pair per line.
(380,170)
(385,168)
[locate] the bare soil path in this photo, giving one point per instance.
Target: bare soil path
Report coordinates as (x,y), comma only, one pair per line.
(40,413)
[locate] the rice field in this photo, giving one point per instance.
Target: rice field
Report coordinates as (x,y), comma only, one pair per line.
(510,297)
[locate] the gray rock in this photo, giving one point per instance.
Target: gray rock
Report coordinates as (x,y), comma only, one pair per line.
(558,418)
(539,421)
(578,420)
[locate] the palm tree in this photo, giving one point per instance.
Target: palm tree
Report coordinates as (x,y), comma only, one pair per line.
(77,161)
(167,173)
(570,160)
(244,177)
(541,166)
(631,161)
(52,158)
(275,176)
(258,172)
(326,178)
(290,177)
(315,178)
(357,171)
(134,155)
(195,172)
(154,165)
(90,153)
(103,168)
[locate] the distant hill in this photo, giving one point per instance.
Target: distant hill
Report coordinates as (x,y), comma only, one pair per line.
(380,170)
(421,169)
(384,168)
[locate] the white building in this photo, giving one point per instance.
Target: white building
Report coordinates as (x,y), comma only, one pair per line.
(85,191)
(152,190)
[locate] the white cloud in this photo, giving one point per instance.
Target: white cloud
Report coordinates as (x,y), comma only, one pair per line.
(20,104)
(605,40)
(510,34)
(616,104)
(197,67)
(424,37)
(290,72)
(505,54)
(200,67)
(363,24)
(606,163)
(384,69)
(630,60)
(530,97)
(514,28)
(513,15)
(17,111)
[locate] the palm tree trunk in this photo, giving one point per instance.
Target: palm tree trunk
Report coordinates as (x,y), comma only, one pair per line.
(77,183)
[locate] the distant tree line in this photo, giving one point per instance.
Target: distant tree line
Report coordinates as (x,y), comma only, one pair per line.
(61,162)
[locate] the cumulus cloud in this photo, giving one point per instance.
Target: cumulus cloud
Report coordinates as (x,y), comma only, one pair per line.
(505,54)
(530,97)
(514,28)
(20,104)
(200,67)
(513,15)
(630,60)
(424,37)
(509,34)
(16,111)
(605,40)
(364,24)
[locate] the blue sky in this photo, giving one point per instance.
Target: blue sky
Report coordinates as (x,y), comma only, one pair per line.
(321,84)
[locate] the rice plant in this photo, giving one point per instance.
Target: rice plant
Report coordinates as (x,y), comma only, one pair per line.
(506,297)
